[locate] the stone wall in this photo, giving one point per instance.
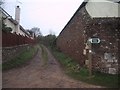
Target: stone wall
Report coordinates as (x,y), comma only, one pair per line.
(105,54)
(73,40)
(10,52)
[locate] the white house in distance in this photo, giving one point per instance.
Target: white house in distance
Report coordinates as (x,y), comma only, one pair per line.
(15,24)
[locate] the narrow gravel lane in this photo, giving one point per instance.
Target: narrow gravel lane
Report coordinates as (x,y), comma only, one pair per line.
(37,75)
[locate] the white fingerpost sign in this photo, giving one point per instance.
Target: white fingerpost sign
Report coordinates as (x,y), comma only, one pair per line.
(94,40)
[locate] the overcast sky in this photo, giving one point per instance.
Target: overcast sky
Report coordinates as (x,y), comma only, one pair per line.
(48,15)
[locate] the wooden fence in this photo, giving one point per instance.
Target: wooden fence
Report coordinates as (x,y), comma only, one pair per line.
(12,39)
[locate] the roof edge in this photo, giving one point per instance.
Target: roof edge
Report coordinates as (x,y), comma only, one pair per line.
(82,5)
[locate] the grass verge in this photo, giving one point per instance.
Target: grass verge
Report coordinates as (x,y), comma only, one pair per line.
(19,60)
(72,69)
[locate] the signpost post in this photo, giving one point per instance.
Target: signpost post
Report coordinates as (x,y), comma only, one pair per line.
(90,42)
(90,58)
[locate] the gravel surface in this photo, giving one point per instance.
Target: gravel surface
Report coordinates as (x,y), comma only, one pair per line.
(36,74)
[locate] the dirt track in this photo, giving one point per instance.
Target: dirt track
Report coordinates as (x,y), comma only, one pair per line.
(37,75)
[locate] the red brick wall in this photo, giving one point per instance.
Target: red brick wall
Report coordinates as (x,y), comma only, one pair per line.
(10,39)
(71,39)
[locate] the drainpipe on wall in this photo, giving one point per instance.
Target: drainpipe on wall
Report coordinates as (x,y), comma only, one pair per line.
(17,18)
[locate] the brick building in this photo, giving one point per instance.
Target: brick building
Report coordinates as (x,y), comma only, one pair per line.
(92,21)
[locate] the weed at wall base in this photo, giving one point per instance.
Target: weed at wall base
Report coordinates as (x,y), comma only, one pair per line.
(82,74)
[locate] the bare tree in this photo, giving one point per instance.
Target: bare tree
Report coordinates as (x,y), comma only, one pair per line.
(36,30)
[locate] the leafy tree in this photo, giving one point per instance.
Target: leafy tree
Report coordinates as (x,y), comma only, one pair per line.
(49,41)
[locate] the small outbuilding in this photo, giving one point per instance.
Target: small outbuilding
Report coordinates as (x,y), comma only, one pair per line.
(98,20)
